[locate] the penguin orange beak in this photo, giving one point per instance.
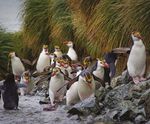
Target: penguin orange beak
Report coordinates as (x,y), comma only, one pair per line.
(106,65)
(27,79)
(53,74)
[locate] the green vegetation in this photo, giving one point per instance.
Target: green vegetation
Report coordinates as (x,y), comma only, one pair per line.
(95,26)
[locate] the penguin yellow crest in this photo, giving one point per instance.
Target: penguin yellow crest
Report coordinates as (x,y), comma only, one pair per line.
(11,54)
(88,77)
(57,47)
(137,34)
(45,46)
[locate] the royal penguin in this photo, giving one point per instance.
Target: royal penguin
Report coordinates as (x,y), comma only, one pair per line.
(16,64)
(136,63)
(71,52)
(25,79)
(58,52)
(56,82)
(98,71)
(82,89)
(43,60)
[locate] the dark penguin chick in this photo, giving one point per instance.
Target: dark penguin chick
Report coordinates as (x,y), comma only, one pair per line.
(10,94)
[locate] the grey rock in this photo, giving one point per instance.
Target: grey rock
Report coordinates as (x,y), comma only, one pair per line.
(116,81)
(148,122)
(87,103)
(75,117)
(144,85)
(115,96)
(136,95)
(140,119)
(126,114)
(100,94)
(90,119)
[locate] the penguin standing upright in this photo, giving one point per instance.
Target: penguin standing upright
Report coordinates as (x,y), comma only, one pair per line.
(55,83)
(43,60)
(25,79)
(58,52)
(82,89)
(71,52)
(99,72)
(137,59)
(10,94)
(17,66)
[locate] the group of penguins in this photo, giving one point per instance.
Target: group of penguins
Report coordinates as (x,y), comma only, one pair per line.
(70,79)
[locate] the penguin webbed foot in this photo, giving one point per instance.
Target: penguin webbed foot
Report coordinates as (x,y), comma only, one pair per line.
(50,107)
(136,80)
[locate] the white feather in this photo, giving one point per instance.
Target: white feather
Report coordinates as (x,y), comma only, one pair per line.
(17,66)
(137,59)
(42,62)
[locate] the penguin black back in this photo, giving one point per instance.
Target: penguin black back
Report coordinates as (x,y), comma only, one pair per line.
(10,94)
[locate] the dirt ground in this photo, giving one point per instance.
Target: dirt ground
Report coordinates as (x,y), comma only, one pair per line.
(31,112)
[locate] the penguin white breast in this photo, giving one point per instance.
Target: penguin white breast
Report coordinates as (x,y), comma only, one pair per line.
(17,66)
(72,54)
(56,82)
(58,54)
(99,72)
(72,96)
(137,59)
(42,62)
(84,90)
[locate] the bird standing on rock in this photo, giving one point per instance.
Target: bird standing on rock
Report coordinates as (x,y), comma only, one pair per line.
(136,64)
(43,60)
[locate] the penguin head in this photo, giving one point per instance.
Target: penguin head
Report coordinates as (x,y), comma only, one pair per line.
(87,61)
(55,71)
(57,49)
(12,54)
(136,35)
(45,48)
(87,77)
(26,77)
(69,43)
(100,63)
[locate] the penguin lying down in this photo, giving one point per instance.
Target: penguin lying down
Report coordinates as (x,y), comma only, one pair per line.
(9,93)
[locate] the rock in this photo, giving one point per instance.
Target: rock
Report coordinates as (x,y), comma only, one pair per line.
(140,119)
(100,94)
(126,114)
(148,122)
(90,119)
(136,95)
(136,88)
(144,85)
(75,111)
(87,103)
(144,96)
(147,106)
(125,77)
(75,117)
(115,96)
(116,81)
(114,115)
